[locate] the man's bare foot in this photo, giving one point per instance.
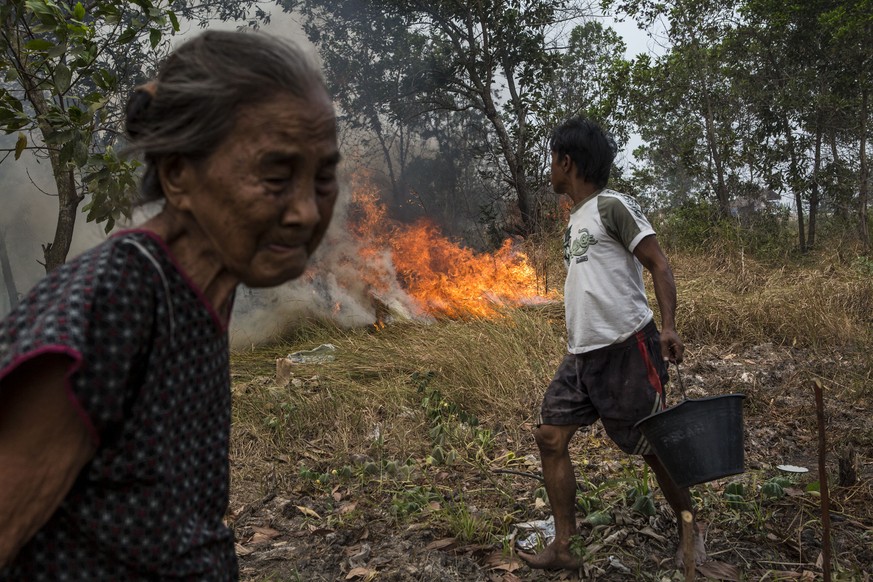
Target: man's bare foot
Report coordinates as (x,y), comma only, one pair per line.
(699,552)
(553,557)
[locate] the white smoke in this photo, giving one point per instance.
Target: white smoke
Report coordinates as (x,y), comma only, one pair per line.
(332,289)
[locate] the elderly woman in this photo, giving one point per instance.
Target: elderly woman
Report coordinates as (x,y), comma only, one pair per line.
(114,383)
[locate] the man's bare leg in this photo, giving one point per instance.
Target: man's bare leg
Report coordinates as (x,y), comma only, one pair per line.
(679,499)
(553,442)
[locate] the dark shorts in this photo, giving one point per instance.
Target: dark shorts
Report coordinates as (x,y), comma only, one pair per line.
(619,384)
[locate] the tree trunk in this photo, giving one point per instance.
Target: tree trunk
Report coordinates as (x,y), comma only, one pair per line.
(721,192)
(814,193)
(865,178)
(841,212)
(795,184)
(6,269)
(55,252)
(518,180)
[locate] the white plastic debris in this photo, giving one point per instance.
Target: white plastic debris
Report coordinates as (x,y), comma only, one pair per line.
(319,355)
(792,469)
(531,534)
(616,563)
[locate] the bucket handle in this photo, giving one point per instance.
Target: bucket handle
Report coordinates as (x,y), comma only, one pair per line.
(681,384)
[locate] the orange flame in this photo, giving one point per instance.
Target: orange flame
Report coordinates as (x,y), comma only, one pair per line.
(443,277)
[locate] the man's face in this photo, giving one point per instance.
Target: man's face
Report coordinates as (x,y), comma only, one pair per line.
(559,175)
(265,197)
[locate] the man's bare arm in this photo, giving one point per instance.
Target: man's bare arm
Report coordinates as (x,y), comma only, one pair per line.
(649,253)
(44,443)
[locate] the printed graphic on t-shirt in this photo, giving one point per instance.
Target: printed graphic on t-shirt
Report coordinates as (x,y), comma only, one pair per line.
(576,248)
(632,205)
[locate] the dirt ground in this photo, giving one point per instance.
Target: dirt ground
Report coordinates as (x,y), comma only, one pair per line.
(757,532)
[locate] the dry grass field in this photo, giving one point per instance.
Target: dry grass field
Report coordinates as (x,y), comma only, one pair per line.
(410,456)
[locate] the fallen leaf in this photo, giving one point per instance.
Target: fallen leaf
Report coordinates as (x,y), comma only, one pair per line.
(306,511)
(539,503)
(434,505)
(510,577)
(720,571)
(443,544)
(267,531)
(346,508)
(241,550)
(498,561)
(647,531)
(260,538)
(360,572)
(352,550)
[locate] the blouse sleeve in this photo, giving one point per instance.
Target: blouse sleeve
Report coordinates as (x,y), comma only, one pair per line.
(99,311)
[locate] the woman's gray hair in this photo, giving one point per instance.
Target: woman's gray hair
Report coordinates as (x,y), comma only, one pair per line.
(192,105)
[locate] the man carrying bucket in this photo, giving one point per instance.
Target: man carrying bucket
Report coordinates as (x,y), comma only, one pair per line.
(616,367)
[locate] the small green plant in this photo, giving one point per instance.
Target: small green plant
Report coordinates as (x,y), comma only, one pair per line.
(774,488)
(639,495)
(578,547)
(589,497)
(864,265)
(411,501)
(466,526)
(734,494)
(599,518)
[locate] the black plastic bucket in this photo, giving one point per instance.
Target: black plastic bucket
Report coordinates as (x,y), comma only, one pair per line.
(698,440)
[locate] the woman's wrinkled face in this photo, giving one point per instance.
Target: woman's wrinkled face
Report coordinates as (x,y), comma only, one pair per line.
(265,197)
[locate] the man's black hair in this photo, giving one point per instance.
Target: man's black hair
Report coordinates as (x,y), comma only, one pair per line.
(591,149)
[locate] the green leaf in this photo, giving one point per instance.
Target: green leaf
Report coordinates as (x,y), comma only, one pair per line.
(173,20)
(814,487)
(598,518)
(57,50)
(128,35)
(63,78)
(772,490)
(66,153)
(40,8)
(39,44)
(20,144)
(781,481)
(154,37)
(80,151)
(64,137)
(79,11)
(735,488)
(645,506)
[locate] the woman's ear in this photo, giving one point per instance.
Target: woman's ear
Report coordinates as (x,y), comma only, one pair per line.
(175,173)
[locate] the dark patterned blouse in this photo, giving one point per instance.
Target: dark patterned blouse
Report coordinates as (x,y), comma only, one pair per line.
(150,379)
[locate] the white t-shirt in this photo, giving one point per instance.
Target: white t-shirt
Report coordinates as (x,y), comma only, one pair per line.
(604,294)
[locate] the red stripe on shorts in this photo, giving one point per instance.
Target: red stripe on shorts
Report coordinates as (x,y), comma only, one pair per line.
(654,378)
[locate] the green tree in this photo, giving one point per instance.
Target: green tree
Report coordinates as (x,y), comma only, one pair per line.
(851,24)
(61,62)
(683,103)
(68,66)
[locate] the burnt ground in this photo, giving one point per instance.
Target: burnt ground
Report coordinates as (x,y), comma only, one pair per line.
(419,527)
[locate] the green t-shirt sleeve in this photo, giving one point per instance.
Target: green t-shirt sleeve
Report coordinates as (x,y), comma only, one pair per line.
(624,224)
